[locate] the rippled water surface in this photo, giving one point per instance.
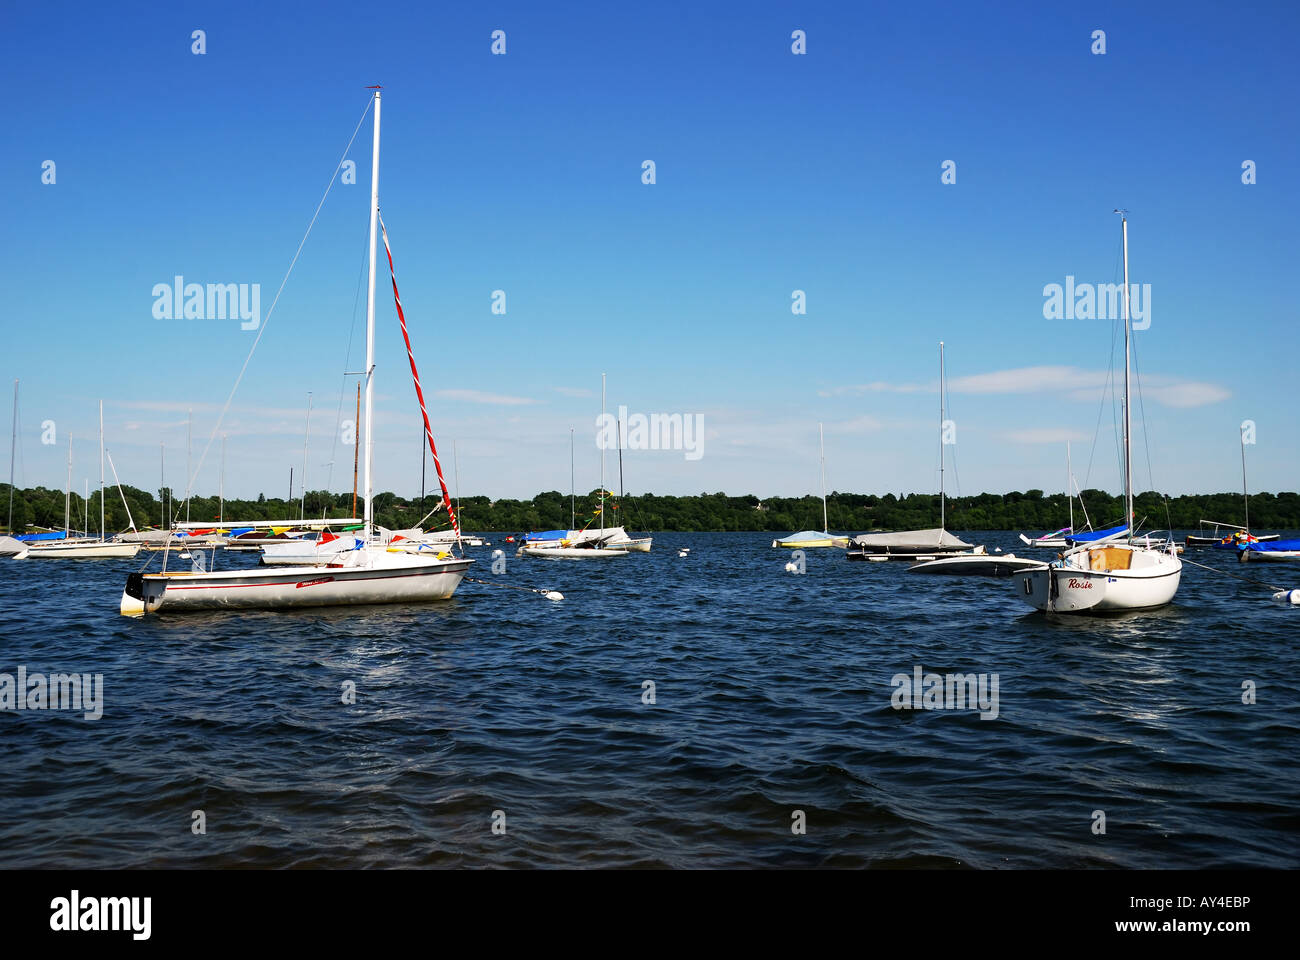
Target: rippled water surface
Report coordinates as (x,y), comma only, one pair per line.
(773,694)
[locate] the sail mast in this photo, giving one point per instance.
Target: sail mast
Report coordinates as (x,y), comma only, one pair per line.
(101,469)
(356,452)
(221,486)
(1069,483)
(13,440)
(67,495)
(572,485)
(1128,405)
(602,460)
(189,477)
(306,434)
(370,327)
(821,443)
(942,414)
(1244,495)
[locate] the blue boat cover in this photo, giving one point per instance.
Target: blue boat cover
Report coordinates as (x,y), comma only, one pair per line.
(548,535)
(33,537)
(1268,546)
(1094,535)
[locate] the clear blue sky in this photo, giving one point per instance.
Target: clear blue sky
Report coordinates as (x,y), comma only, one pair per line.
(775,172)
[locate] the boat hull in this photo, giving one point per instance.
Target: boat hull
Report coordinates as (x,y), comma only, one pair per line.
(322,586)
(83,551)
(1071,589)
(573,553)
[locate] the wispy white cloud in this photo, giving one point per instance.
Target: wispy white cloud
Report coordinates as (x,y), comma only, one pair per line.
(1077,383)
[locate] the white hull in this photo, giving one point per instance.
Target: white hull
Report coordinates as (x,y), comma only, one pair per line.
(635,546)
(1270,555)
(573,553)
(93,550)
(1091,581)
(378,578)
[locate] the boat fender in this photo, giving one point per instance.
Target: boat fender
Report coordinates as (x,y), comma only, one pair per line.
(1288,596)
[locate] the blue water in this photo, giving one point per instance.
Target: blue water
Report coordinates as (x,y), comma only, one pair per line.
(772,692)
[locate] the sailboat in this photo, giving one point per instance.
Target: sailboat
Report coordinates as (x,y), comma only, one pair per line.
(582,544)
(916,544)
(101,548)
(1240,538)
(1057,538)
(374,573)
(805,539)
(1110,575)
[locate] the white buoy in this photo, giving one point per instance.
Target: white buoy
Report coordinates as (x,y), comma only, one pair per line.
(791,568)
(1288,596)
(997,549)
(555,595)
(681,553)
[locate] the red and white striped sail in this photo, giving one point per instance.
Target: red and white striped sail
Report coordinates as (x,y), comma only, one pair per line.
(419,393)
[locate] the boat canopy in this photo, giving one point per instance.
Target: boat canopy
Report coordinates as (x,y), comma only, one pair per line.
(1271,546)
(35,537)
(806,535)
(903,539)
(1095,534)
(548,535)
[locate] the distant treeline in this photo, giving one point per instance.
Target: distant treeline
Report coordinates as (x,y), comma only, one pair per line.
(1031,511)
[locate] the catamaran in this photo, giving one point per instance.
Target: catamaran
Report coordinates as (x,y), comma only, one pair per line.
(1107,576)
(373,573)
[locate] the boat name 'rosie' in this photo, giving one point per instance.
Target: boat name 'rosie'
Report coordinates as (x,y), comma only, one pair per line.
(313,583)
(1076,584)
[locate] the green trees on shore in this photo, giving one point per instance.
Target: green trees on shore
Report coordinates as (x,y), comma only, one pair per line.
(1030,511)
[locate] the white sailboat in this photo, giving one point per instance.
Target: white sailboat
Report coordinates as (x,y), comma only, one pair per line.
(375,573)
(1056,539)
(922,545)
(814,538)
(1109,575)
(582,544)
(101,548)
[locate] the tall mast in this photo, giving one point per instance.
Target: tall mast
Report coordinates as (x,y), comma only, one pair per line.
(356,452)
(455,465)
(821,443)
(101,469)
(1069,483)
(221,486)
(305,436)
(602,460)
(942,414)
(370,329)
(1244,495)
(162,485)
(189,478)
(67,494)
(572,515)
(13,440)
(1128,405)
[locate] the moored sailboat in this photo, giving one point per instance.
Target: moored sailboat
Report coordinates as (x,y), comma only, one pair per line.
(374,573)
(1106,575)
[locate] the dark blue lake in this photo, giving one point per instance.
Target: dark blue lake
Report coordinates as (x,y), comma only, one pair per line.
(772,695)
